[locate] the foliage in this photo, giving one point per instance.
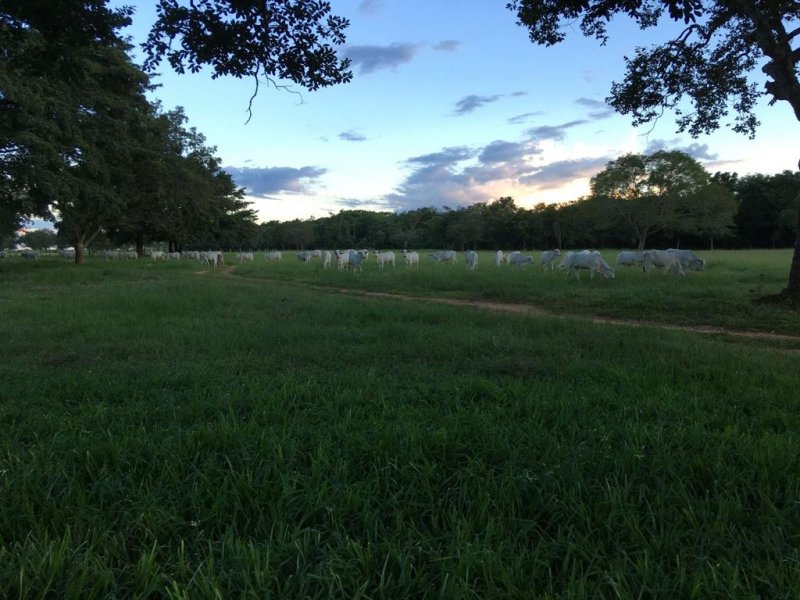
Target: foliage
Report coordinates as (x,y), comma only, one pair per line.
(286,39)
(38,239)
(767,215)
(710,61)
(659,192)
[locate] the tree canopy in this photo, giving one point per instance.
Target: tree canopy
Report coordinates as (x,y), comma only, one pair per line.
(710,62)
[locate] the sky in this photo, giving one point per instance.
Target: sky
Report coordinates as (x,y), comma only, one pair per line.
(450,104)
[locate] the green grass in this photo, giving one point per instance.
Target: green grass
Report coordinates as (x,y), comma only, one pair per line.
(171,434)
(723,295)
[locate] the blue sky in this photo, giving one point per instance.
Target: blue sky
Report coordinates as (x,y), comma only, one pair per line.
(450,104)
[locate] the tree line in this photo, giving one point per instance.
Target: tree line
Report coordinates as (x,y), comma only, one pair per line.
(728,211)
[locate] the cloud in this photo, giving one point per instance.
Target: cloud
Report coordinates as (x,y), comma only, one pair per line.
(524,117)
(370,7)
(447,45)
(374,58)
(502,151)
(436,181)
(470,103)
(519,93)
(266,181)
(695,150)
(352,136)
(598,110)
(561,172)
(448,156)
(552,132)
(355,203)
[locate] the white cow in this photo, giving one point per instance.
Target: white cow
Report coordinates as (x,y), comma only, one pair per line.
(471,258)
(342,258)
(173,255)
(245,256)
(443,256)
(303,256)
(630,258)
(548,259)
(327,256)
(29,254)
(663,260)
(519,260)
(67,253)
(507,258)
(273,255)
(689,260)
(316,253)
(158,255)
(590,261)
(356,258)
(384,257)
(498,258)
(412,258)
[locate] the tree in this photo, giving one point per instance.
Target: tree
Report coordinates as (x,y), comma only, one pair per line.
(709,213)
(38,239)
(286,39)
(650,193)
(46,82)
(766,205)
(710,62)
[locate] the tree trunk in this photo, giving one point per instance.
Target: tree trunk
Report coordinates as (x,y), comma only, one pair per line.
(793,288)
(711,244)
(140,246)
(641,234)
(79,252)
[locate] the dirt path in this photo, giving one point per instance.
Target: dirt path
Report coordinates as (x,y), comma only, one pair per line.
(532,309)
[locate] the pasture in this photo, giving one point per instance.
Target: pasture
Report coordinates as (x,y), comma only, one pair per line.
(176,431)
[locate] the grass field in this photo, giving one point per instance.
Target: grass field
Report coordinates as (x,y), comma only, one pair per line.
(174,432)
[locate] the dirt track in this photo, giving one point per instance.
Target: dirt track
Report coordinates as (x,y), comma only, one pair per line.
(532,309)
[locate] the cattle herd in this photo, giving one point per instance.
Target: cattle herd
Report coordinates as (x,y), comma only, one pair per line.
(669,261)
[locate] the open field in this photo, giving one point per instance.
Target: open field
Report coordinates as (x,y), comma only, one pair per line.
(176,432)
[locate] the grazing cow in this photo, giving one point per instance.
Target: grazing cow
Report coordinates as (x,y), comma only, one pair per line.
(630,258)
(519,260)
(67,253)
(173,255)
(443,256)
(548,259)
(194,254)
(303,256)
(316,254)
(412,258)
(590,261)
(131,255)
(273,255)
(497,259)
(471,258)
(29,254)
(356,258)
(507,258)
(689,260)
(327,256)
(158,254)
(384,257)
(663,260)
(243,256)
